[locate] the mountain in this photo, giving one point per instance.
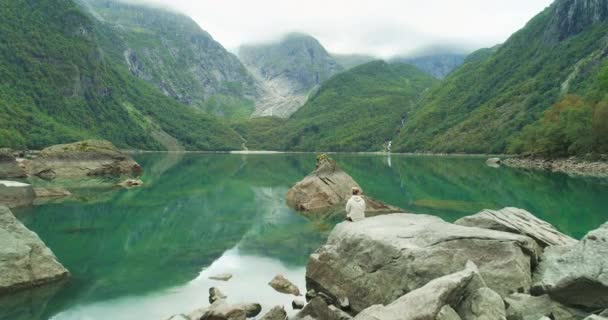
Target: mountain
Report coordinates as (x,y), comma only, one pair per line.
(170,51)
(59,84)
(288,70)
(349,61)
(438,65)
(484,105)
(357,110)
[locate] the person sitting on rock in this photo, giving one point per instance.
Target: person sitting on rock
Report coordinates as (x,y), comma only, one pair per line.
(355,207)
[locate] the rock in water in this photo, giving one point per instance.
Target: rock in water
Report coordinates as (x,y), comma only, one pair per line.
(329,187)
(493,162)
(84,158)
(131,183)
(577,275)
(9,167)
(16,194)
(518,221)
(276,313)
(282,285)
(379,259)
(51,192)
(526,307)
(324,188)
(221,277)
(427,301)
(215,294)
(25,261)
(483,304)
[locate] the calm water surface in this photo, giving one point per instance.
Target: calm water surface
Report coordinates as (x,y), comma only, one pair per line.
(147,253)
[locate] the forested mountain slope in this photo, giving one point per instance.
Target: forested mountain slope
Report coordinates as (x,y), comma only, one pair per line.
(484,105)
(357,110)
(170,51)
(57,84)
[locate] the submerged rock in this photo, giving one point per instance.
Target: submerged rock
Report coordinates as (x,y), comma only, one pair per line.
(221,277)
(25,261)
(426,302)
(577,275)
(282,285)
(518,221)
(380,259)
(327,186)
(16,194)
(84,158)
(131,183)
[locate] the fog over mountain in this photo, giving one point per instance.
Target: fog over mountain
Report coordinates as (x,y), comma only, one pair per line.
(396,27)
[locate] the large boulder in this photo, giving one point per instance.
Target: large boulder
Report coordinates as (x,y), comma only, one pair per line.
(84,158)
(9,167)
(427,301)
(276,313)
(483,304)
(318,308)
(327,186)
(326,190)
(526,307)
(577,275)
(379,259)
(25,261)
(518,221)
(16,194)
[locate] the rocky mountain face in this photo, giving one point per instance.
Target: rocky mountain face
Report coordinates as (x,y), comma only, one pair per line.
(174,54)
(287,70)
(484,105)
(571,17)
(436,65)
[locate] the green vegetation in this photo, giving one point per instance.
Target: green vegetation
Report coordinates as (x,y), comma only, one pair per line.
(357,110)
(58,85)
(174,54)
(484,105)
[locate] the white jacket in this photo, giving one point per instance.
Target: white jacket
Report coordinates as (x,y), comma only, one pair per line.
(355,208)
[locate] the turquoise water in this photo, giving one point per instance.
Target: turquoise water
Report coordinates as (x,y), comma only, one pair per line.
(148,252)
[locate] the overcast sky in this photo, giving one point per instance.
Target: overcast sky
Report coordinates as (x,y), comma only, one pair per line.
(378,27)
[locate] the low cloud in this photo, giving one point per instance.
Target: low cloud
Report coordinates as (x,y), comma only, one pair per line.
(379,27)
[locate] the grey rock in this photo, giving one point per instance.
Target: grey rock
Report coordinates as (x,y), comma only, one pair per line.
(577,275)
(221,310)
(317,308)
(276,313)
(447,313)
(215,294)
(9,167)
(16,194)
(310,294)
(51,192)
(518,221)
(427,301)
(221,277)
(251,309)
(178,317)
(84,158)
(604,313)
(297,304)
(46,174)
(526,307)
(328,188)
(379,259)
(25,261)
(483,304)
(595,317)
(324,188)
(282,285)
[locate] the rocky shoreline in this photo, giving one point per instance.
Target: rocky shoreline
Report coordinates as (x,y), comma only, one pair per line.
(570,166)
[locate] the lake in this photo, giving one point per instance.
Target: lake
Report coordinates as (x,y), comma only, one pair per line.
(148,252)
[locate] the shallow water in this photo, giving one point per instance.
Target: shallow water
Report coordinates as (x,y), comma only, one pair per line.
(148,252)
